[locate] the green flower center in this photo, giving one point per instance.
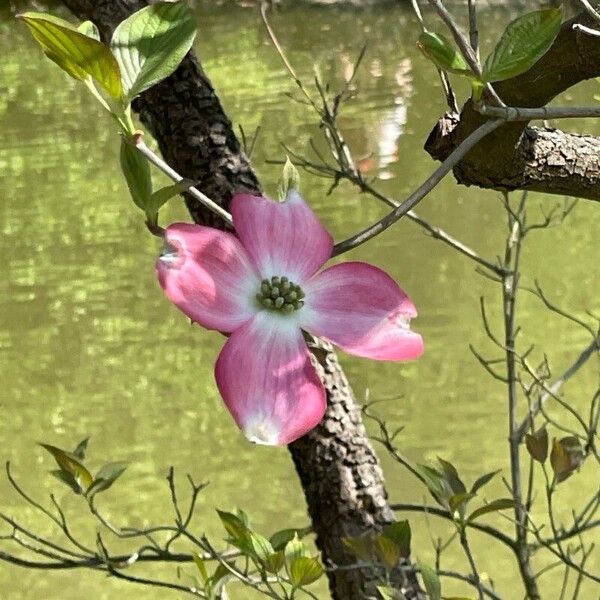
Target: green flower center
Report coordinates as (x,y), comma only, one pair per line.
(280,294)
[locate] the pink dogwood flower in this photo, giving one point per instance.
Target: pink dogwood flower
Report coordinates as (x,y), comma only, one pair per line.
(263,286)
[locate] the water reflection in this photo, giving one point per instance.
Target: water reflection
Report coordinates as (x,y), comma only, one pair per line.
(90,347)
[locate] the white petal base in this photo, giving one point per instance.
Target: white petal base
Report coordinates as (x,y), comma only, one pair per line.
(261,430)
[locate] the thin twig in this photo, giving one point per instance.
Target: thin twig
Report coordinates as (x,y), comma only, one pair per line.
(155,583)
(158,162)
(444,514)
(436,232)
(453,575)
(418,195)
(464,46)
(18,527)
(586,30)
(94,562)
(553,389)
(474,572)
(510,287)
(590,10)
(473,31)
(288,65)
(517,113)
(448,91)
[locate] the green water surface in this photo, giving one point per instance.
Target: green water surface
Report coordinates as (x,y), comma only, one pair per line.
(90,347)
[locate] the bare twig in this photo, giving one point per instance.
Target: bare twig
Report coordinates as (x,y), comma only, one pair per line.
(514,113)
(436,232)
(464,542)
(586,30)
(552,390)
(454,575)
(510,286)
(448,91)
(590,10)
(158,162)
(444,514)
(420,192)
(465,46)
(473,31)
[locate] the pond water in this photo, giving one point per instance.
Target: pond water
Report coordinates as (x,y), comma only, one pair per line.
(90,347)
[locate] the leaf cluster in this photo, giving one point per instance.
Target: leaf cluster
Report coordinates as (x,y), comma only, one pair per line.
(283,556)
(73,472)
(523,43)
(566,455)
(145,48)
(448,490)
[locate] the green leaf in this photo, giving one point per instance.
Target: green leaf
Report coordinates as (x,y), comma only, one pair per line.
(136,169)
(483,480)
(305,570)
(151,43)
(81,448)
(201,567)
(234,526)
(400,534)
(431,581)
(290,180)
(88,28)
(387,551)
(452,477)
(477,88)
(436,484)
(459,502)
(66,478)
(241,514)
(240,535)
(389,593)
(443,53)
(261,546)
(162,196)
(219,579)
(566,457)
(496,505)
(280,538)
(78,54)
(523,43)
(274,562)
(560,461)
(106,476)
(69,463)
(244,545)
(363,546)
(537,444)
(293,550)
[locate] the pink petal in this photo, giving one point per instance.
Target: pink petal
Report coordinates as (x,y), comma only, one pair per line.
(282,238)
(363,310)
(208,275)
(268,383)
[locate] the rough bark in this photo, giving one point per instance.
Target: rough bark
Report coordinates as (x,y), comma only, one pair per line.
(344,486)
(520,157)
(340,473)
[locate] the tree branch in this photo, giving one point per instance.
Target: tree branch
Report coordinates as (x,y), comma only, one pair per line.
(518,157)
(340,474)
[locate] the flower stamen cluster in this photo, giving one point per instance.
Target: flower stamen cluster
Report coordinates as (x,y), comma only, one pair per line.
(280,294)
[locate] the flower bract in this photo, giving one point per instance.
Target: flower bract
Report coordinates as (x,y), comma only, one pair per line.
(264,287)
